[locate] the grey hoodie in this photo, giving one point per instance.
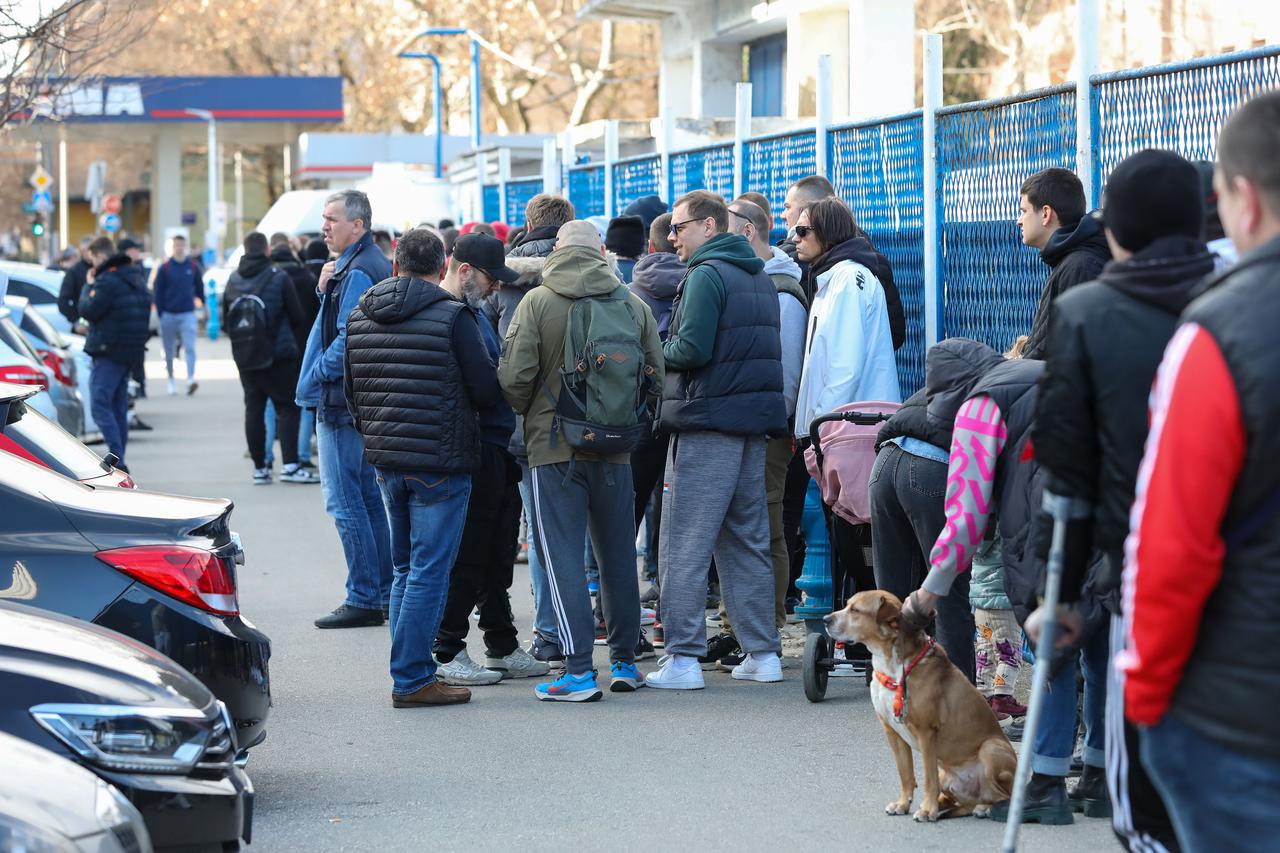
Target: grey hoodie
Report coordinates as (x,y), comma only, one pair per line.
(792,319)
(655,279)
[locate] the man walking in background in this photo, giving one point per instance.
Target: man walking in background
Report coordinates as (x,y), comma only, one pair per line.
(73,281)
(351,494)
(179,288)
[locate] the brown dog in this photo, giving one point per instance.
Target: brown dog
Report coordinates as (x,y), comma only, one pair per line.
(969,764)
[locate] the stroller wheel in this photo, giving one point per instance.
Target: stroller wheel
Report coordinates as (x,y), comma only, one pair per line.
(816,648)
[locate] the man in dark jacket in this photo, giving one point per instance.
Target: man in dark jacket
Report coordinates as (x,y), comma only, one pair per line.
(722,398)
(625,237)
(179,288)
(416,373)
(1106,341)
(1051,219)
(258,279)
(117,307)
(73,283)
(303,282)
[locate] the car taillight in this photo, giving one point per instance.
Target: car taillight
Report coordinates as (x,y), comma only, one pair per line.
(55,362)
(127,483)
(191,575)
(22,374)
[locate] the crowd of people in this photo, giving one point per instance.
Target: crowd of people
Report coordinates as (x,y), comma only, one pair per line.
(586,379)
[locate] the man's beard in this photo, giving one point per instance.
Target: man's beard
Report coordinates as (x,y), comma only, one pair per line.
(472,291)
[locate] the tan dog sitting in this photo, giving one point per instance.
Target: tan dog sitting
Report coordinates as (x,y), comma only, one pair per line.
(926,704)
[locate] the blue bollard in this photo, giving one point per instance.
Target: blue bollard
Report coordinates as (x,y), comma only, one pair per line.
(211,308)
(815,581)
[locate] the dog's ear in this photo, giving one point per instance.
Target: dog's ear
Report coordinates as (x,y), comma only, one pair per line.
(888,613)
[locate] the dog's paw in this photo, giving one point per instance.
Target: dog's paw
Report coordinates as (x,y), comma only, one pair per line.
(898,807)
(982,811)
(924,815)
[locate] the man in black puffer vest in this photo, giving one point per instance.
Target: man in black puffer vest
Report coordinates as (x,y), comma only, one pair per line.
(722,399)
(258,278)
(117,307)
(416,372)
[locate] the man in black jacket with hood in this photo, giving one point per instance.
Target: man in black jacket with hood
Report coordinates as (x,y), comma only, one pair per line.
(1105,344)
(73,283)
(1051,219)
(117,307)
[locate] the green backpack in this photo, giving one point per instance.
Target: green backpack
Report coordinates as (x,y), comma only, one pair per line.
(605,384)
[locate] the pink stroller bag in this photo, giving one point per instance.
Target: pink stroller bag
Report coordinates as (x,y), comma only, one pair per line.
(842,455)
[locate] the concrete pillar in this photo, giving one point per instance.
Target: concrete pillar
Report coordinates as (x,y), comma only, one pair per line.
(882,72)
(810,35)
(166,185)
(717,68)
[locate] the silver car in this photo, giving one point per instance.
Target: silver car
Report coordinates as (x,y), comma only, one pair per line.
(21,326)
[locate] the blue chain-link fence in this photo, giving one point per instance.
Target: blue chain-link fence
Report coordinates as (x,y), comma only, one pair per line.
(773,163)
(518,195)
(706,168)
(877,168)
(636,177)
(991,282)
(492,207)
(586,190)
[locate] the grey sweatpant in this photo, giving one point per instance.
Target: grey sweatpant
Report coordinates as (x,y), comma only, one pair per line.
(569,500)
(715,506)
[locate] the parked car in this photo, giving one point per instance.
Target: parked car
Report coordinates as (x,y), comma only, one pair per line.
(158,568)
(50,803)
(57,355)
(40,286)
(21,365)
(134,718)
(26,433)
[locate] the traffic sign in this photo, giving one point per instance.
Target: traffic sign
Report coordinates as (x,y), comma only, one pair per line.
(40,179)
(42,201)
(109,222)
(111,204)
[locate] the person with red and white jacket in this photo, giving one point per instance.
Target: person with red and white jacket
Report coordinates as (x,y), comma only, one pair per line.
(1202,560)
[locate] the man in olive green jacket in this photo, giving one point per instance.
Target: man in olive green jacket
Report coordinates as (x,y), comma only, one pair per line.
(574,487)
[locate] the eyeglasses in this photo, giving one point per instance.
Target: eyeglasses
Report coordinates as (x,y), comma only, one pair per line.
(803,231)
(676,226)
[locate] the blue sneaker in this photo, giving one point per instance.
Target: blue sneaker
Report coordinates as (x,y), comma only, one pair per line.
(569,688)
(626,678)
(593,587)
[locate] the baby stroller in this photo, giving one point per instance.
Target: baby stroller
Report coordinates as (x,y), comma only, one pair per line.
(841,471)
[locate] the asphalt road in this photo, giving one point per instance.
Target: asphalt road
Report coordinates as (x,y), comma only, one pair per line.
(738,766)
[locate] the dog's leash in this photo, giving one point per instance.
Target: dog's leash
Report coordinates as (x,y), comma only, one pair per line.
(899,687)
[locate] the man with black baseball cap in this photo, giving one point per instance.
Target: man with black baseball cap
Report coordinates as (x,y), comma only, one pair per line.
(1104,346)
(480,253)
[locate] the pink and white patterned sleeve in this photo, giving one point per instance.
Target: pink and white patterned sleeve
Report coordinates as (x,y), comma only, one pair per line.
(976,442)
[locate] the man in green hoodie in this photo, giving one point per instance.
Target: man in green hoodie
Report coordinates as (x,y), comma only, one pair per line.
(722,397)
(571,489)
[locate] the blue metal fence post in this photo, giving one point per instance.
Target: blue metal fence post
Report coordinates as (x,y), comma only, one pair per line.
(932,199)
(741,130)
(504,178)
(665,129)
(550,167)
(610,158)
(815,582)
(1086,67)
(567,161)
(821,157)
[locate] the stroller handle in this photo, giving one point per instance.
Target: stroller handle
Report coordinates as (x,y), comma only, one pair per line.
(860,418)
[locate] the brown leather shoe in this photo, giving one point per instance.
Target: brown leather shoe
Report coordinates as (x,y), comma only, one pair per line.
(435,693)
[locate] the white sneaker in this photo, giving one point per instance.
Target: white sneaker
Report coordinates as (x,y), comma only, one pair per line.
(462,671)
(767,668)
(647,617)
(676,672)
(715,621)
(518,664)
(173,387)
(262,476)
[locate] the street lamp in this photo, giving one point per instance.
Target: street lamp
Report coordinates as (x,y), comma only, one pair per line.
(437,99)
(211,239)
(475,72)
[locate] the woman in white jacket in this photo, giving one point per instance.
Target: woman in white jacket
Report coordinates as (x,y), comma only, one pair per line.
(849,345)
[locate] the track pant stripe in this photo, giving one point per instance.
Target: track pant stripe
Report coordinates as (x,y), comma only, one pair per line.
(557,604)
(1118,754)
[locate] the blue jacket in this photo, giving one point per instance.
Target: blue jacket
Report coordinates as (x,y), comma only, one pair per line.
(497,422)
(177,286)
(360,266)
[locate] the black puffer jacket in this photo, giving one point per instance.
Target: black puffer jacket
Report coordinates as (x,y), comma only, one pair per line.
(118,309)
(952,368)
(416,372)
(1075,255)
(1105,345)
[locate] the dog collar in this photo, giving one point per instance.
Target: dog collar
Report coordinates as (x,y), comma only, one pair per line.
(899,687)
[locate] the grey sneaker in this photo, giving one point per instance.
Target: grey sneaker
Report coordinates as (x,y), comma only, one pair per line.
(298,475)
(462,671)
(518,664)
(262,476)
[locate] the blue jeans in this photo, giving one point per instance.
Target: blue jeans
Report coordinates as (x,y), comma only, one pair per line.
(425,512)
(175,327)
(306,428)
(544,615)
(1220,800)
(1056,735)
(109,401)
(352,499)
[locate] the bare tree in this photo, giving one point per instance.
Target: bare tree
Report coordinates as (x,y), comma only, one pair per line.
(47,49)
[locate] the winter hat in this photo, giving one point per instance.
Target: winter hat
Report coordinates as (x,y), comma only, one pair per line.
(648,208)
(1153,194)
(626,236)
(316,251)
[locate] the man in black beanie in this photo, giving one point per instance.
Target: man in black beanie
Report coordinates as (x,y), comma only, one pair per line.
(626,238)
(648,208)
(1104,347)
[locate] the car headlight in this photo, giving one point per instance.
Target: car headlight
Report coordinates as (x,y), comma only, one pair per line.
(17,834)
(119,737)
(118,816)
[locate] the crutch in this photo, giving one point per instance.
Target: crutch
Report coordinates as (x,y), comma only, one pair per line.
(1062,510)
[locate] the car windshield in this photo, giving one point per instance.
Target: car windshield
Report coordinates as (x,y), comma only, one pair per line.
(14,339)
(37,436)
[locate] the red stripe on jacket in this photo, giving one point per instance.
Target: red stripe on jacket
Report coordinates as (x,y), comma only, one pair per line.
(1174,553)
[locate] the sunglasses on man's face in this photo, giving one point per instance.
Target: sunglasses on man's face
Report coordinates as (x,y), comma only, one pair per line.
(676,226)
(803,231)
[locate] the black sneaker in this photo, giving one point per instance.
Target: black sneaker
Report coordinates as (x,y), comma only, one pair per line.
(651,595)
(1046,803)
(718,647)
(347,616)
(729,661)
(1090,794)
(644,648)
(546,651)
(137,423)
